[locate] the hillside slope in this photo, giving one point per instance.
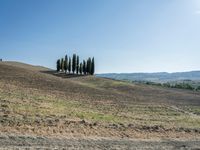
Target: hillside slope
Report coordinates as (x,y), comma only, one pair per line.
(37,101)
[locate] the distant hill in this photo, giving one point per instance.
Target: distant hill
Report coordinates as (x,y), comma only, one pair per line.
(159,77)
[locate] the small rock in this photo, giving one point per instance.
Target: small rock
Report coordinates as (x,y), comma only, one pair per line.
(83,122)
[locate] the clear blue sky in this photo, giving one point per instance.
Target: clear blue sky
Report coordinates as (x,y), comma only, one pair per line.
(122,35)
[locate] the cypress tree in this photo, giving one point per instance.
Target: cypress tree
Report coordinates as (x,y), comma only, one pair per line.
(89,65)
(74,63)
(65,67)
(81,68)
(58,65)
(69,65)
(92,67)
(62,64)
(77,64)
(84,67)
(66,63)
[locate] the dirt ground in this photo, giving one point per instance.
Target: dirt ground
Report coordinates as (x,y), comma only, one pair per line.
(91,143)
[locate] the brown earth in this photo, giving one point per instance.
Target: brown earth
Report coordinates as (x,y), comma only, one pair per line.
(36,101)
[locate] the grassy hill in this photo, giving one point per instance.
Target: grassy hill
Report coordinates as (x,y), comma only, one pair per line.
(35,100)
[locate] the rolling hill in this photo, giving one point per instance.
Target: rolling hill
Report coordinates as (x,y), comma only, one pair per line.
(37,101)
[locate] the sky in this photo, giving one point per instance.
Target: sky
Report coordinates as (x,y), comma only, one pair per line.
(124,36)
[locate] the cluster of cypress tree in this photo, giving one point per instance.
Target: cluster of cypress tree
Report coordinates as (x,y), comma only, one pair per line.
(73,65)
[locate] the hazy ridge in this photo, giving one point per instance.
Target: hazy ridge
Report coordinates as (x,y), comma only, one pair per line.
(154,77)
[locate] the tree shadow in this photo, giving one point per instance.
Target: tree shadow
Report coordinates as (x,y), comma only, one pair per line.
(62,74)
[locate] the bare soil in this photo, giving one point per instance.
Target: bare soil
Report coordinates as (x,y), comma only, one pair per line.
(29,142)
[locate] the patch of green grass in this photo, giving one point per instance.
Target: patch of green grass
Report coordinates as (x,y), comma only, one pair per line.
(193,109)
(102,83)
(187,122)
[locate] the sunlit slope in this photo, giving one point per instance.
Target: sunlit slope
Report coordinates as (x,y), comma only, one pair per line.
(34,100)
